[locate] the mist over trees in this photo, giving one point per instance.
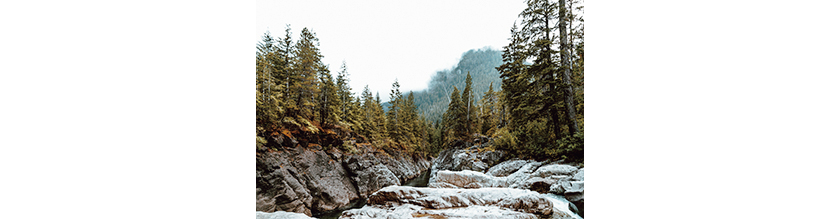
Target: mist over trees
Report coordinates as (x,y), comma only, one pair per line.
(479,63)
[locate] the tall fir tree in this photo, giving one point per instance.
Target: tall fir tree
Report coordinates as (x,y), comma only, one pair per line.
(284,69)
(395,131)
(345,94)
(367,112)
(489,111)
(454,118)
(380,120)
(469,106)
(307,65)
(328,101)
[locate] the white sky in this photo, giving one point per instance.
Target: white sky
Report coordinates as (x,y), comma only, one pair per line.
(386,40)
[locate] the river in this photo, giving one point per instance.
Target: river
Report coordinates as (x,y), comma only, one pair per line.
(419,181)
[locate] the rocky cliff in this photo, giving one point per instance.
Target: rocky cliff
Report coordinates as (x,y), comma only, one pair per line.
(313,181)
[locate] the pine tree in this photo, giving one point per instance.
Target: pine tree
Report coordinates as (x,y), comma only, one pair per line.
(409,120)
(284,69)
(489,111)
(469,107)
(379,119)
(307,65)
(395,131)
(345,94)
(328,101)
(455,118)
(367,112)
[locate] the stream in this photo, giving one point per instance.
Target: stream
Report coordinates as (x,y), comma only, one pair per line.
(419,181)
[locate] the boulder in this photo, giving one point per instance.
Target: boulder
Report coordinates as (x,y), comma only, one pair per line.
(563,209)
(579,175)
(461,156)
(374,178)
(556,169)
(282,215)
(461,179)
(506,168)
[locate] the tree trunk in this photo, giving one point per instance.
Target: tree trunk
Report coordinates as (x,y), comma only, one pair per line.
(567,81)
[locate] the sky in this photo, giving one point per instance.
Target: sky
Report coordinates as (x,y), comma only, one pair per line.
(383,41)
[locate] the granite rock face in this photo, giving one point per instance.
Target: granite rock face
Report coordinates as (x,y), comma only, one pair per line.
(313,181)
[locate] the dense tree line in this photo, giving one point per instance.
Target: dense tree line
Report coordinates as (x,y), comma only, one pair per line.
(542,81)
(297,93)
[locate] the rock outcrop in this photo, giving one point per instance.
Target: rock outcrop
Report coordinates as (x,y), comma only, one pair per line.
(462,156)
(409,202)
(281,215)
(313,181)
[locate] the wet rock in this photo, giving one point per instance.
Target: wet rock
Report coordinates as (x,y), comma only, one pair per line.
(562,209)
(281,215)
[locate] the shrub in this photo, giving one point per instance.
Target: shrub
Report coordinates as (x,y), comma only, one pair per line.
(504,140)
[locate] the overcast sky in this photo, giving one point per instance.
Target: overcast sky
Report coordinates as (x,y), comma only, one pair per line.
(386,40)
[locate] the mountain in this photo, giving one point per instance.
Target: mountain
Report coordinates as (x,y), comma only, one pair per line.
(480,63)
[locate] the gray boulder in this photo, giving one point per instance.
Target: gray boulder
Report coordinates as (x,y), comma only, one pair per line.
(579,175)
(374,178)
(507,167)
(556,169)
(461,157)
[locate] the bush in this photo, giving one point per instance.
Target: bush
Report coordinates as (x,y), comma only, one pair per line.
(536,140)
(504,140)
(571,147)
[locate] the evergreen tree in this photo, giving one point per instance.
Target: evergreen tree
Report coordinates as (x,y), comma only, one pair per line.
(454,118)
(367,112)
(283,66)
(307,65)
(410,121)
(355,115)
(469,107)
(327,99)
(344,94)
(568,93)
(489,112)
(395,131)
(379,119)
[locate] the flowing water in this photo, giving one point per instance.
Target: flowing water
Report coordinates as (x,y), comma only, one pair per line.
(419,181)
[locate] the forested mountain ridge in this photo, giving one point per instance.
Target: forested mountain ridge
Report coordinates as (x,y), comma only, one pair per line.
(479,63)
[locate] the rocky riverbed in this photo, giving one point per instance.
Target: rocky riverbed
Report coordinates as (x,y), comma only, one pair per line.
(464,181)
(471,182)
